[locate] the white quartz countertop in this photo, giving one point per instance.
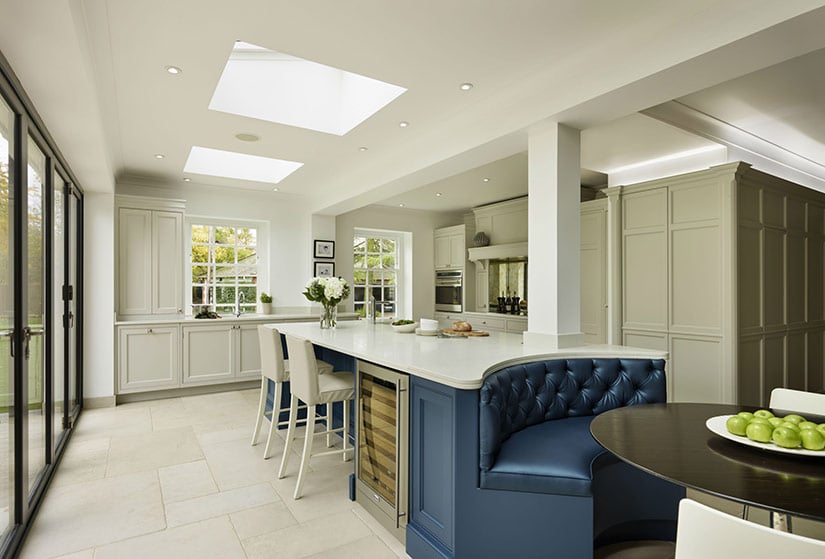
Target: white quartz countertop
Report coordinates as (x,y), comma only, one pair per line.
(457,362)
(229,317)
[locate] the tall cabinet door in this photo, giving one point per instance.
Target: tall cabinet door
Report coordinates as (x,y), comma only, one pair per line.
(134,261)
(167,262)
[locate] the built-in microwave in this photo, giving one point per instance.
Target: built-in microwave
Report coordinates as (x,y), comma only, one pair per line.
(448,290)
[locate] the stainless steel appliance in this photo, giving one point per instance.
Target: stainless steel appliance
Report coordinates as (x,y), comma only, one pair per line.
(448,290)
(382,455)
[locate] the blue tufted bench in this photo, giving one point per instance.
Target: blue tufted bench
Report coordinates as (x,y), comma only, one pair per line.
(534,422)
(535,441)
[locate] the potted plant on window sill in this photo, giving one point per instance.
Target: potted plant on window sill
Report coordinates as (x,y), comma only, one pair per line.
(266,303)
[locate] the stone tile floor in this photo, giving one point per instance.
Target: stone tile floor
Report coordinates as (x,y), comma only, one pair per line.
(178,478)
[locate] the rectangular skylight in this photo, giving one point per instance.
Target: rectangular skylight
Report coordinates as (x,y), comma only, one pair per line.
(268,85)
(219,163)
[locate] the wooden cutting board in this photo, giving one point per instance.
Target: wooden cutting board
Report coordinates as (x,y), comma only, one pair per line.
(470,334)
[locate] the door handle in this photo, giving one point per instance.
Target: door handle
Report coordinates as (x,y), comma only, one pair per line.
(10,335)
(28,334)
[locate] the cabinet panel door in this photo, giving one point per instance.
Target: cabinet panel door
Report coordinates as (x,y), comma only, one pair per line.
(457,251)
(148,358)
(249,354)
(442,252)
(209,354)
(167,273)
(134,261)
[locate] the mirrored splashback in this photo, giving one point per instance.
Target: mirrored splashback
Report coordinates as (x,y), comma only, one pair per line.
(507,279)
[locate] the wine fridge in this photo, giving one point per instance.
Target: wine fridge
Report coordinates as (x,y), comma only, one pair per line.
(382,457)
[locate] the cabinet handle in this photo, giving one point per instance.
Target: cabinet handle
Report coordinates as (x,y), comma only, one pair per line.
(148,330)
(180,310)
(484,322)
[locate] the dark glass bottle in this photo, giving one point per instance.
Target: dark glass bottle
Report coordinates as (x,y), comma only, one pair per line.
(508,303)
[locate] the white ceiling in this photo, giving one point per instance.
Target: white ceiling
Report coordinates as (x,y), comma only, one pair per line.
(95,71)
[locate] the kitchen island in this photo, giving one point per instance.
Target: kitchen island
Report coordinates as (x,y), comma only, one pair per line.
(448,514)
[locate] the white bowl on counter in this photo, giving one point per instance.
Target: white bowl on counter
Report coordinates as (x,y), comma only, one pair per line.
(405,328)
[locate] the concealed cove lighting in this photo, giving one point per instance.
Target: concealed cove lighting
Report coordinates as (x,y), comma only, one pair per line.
(466,86)
(666,158)
(229,164)
(260,83)
(174,70)
(159,156)
(403,124)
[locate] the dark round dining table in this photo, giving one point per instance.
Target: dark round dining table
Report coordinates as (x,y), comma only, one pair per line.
(671,441)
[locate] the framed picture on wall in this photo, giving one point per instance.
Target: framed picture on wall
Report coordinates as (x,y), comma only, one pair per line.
(324,249)
(324,269)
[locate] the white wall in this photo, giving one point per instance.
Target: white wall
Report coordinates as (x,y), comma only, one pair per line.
(99,295)
(419,223)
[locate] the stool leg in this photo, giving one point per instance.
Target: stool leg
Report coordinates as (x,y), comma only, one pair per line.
(328,421)
(261,410)
(290,435)
(345,432)
(305,457)
(276,416)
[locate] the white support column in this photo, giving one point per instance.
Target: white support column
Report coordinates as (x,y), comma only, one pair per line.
(554,182)
(614,265)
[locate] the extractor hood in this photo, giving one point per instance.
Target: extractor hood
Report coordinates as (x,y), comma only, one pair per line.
(498,252)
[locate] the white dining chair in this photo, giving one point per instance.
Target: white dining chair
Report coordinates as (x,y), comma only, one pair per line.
(797,401)
(706,533)
(307,385)
(275,369)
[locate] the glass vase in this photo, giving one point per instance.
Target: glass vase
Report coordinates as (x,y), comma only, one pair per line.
(329,316)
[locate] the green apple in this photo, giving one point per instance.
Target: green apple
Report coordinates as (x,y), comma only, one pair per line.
(736,425)
(821,428)
(746,414)
(807,425)
(786,438)
(759,432)
(791,426)
(812,439)
(767,414)
(776,421)
(794,418)
(761,420)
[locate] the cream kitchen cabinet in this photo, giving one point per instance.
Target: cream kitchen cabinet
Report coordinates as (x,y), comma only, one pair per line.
(450,247)
(220,352)
(148,358)
(149,256)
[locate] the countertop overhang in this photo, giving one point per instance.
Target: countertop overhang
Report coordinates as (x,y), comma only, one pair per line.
(457,362)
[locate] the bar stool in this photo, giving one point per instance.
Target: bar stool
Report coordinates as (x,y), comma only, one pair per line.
(314,389)
(276,369)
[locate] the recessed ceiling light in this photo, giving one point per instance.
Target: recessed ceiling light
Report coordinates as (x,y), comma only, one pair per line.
(275,189)
(159,156)
(401,205)
(246,137)
(174,70)
(438,194)
(486,179)
(403,124)
(363,148)
(187,179)
(466,86)
(219,163)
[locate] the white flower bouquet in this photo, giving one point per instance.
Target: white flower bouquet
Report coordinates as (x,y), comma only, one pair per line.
(329,292)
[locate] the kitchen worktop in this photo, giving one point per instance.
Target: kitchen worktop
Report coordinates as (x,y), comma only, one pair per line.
(307,315)
(457,362)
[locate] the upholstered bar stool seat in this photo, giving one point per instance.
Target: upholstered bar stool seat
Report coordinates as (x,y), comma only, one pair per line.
(276,369)
(314,389)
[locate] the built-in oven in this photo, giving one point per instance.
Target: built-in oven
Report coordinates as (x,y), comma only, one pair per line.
(382,452)
(448,290)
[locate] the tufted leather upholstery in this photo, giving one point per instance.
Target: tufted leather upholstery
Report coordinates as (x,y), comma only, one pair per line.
(520,396)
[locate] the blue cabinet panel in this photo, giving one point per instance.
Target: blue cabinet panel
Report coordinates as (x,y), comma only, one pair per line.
(432,461)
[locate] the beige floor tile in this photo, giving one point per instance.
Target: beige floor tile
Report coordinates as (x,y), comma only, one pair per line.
(85,554)
(370,546)
(235,463)
(309,538)
(214,433)
(79,467)
(150,451)
(186,481)
(383,534)
(218,504)
(332,479)
(105,422)
(210,539)
(82,515)
(262,520)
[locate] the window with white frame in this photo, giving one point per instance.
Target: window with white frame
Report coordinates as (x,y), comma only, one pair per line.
(377,271)
(224,267)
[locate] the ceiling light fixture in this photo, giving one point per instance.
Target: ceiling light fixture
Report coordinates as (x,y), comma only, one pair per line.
(246,137)
(276,189)
(438,194)
(159,156)
(403,124)
(485,179)
(401,205)
(174,70)
(466,86)
(187,179)
(363,148)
